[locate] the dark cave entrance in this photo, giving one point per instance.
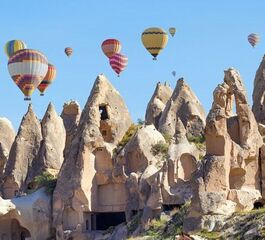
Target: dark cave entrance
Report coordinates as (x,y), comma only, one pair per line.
(170,207)
(103,112)
(105,220)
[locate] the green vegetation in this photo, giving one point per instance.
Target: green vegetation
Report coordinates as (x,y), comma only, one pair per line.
(128,135)
(210,235)
(167,137)
(160,148)
(140,121)
(46,180)
(198,141)
(156,227)
(134,223)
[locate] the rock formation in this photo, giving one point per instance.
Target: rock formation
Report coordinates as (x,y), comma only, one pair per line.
(71,115)
(184,105)
(23,152)
(7,136)
(50,156)
(228,178)
(157,104)
(88,170)
(27,217)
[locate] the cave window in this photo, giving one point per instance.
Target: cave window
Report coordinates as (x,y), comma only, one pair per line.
(104,132)
(103,112)
(87,225)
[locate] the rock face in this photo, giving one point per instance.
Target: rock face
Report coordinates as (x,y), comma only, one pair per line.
(71,115)
(28,216)
(23,152)
(50,156)
(228,177)
(184,105)
(157,104)
(88,170)
(258,95)
(7,136)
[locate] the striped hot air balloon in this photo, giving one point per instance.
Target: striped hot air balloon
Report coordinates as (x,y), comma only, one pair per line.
(154,40)
(13,46)
(68,51)
(118,62)
(27,68)
(111,47)
(253,39)
(48,79)
(172,31)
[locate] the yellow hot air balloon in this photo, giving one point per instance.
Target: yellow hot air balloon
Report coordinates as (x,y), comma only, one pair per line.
(172,31)
(154,40)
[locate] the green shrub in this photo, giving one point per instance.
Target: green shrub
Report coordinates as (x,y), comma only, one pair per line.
(160,148)
(128,135)
(46,180)
(167,137)
(210,235)
(198,141)
(140,121)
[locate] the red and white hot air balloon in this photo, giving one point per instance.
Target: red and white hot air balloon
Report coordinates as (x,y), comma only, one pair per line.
(111,47)
(118,62)
(253,39)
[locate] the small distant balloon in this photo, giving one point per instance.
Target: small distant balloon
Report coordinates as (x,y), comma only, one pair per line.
(154,40)
(118,62)
(13,46)
(253,39)
(111,47)
(174,73)
(68,51)
(27,68)
(172,31)
(48,79)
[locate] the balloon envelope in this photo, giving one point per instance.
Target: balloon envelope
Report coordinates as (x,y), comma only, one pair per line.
(172,31)
(48,79)
(13,46)
(253,39)
(118,62)
(27,68)
(154,40)
(68,51)
(111,47)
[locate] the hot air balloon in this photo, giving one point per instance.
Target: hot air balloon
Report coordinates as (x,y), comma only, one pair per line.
(174,73)
(111,47)
(13,46)
(172,31)
(27,68)
(253,39)
(48,79)
(154,40)
(68,51)
(118,62)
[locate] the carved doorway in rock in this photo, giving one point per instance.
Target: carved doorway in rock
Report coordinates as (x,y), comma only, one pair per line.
(186,166)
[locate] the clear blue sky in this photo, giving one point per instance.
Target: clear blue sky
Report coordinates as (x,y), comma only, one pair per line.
(211,36)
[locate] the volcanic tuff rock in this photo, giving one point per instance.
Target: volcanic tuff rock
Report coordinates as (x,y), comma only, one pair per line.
(71,115)
(185,105)
(88,170)
(157,104)
(258,95)
(228,177)
(50,156)
(7,136)
(23,152)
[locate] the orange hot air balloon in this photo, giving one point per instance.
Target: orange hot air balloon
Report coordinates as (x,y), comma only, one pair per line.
(68,51)
(111,47)
(48,79)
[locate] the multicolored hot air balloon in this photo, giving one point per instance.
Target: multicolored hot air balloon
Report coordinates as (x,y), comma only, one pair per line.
(253,39)
(111,47)
(27,68)
(174,73)
(48,79)
(154,40)
(68,51)
(13,46)
(172,31)
(118,62)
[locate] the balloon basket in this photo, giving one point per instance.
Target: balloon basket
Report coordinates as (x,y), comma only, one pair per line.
(27,98)
(42,94)
(154,58)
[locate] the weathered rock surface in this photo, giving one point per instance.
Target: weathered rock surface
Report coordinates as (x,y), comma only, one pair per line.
(50,156)
(157,104)
(71,115)
(29,216)
(7,136)
(23,152)
(88,168)
(228,178)
(184,105)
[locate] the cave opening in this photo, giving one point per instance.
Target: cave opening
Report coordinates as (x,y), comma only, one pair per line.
(170,207)
(108,219)
(103,112)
